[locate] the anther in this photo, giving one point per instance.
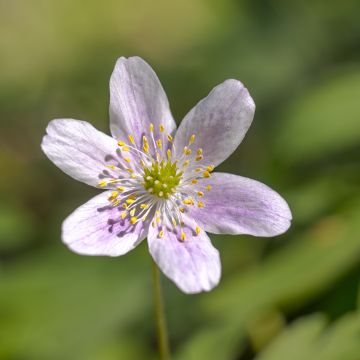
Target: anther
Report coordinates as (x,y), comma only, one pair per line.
(161,233)
(159,143)
(183,236)
(206,174)
(192,139)
(168,152)
(197,230)
(133,220)
(188,201)
(161,128)
(131,139)
(132,212)
(200,193)
(123,215)
(200,204)
(194,181)
(151,127)
(208,187)
(170,138)
(121,143)
(102,183)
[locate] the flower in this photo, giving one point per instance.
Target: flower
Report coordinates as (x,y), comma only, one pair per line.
(158,180)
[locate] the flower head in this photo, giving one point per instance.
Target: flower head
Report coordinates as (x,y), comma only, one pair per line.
(159,181)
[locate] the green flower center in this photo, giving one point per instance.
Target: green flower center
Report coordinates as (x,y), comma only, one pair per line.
(162,178)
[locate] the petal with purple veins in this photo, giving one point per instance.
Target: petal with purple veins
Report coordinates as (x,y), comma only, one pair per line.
(220,122)
(78,149)
(136,100)
(96,228)
(238,205)
(192,264)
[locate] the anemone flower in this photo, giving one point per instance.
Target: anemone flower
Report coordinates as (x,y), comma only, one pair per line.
(158,181)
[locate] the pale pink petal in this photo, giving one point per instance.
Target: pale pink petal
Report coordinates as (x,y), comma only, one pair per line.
(220,122)
(96,228)
(238,205)
(136,100)
(78,149)
(193,264)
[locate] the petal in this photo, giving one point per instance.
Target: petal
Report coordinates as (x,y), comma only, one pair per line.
(136,100)
(220,122)
(78,149)
(95,228)
(193,264)
(237,205)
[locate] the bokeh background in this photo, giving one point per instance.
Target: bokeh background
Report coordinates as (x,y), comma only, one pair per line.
(292,297)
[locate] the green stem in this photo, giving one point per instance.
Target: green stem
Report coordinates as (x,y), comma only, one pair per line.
(160,315)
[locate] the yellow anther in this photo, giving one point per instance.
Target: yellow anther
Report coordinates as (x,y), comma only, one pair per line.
(125,149)
(131,139)
(192,139)
(182,210)
(132,196)
(112,167)
(183,236)
(159,143)
(102,183)
(173,221)
(194,181)
(170,138)
(161,233)
(144,217)
(129,201)
(151,127)
(132,212)
(200,204)
(197,230)
(210,168)
(114,194)
(128,160)
(144,206)
(168,152)
(120,188)
(115,202)
(200,193)
(112,181)
(123,215)
(142,162)
(161,128)
(129,170)
(187,151)
(206,174)
(121,143)
(208,187)
(197,169)
(124,205)
(188,201)
(186,163)
(199,151)
(133,220)
(145,144)
(199,157)
(158,219)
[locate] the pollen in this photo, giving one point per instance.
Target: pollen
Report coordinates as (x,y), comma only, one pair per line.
(131,139)
(208,187)
(102,183)
(133,220)
(197,230)
(161,128)
(121,143)
(200,204)
(192,139)
(183,236)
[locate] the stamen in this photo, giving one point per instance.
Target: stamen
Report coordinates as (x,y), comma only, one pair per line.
(121,143)
(206,174)
(192,139)
(133,220)
(131,139)
(200,193)
(200,204)
(159,143)
(194,181)
(151,127)
(208,187)
(161,233)
(188,201)
(102,183)
(197,230)
(123,214)
(183,236)
(170,138)
(161,128)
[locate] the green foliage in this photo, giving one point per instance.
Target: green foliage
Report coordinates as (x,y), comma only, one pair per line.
(293,297)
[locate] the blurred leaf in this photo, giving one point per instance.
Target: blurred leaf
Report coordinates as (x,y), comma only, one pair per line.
(309,339)
(288,279)
(323,120)
(65,306)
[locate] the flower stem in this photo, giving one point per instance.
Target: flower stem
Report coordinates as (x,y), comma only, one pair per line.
(160,315)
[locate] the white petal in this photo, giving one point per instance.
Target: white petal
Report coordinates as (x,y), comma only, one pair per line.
(220,122)
(78,149)
(193,265)
(237,205)
(136,100)
(96,228)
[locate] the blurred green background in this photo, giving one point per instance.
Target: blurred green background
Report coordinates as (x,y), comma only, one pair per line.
(293,297)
